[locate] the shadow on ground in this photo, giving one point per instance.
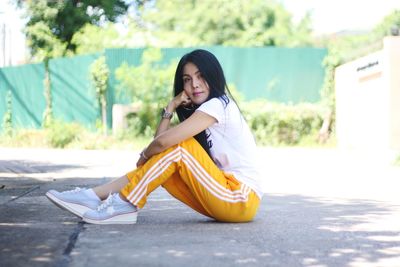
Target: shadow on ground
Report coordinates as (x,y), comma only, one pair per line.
(289,230)
(28,166)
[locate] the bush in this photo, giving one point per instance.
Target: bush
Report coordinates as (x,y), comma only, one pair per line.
(60,134)
(280,124)
(7,119)
(24,138)
(272,124)
(99,74)
(148,85)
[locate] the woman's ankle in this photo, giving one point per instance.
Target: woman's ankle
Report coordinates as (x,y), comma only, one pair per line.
(91,193)
(122,197)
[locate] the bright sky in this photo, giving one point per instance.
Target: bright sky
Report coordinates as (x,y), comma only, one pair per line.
(328,16)
(15,51)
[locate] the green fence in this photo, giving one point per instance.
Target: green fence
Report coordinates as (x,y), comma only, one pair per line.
(286,75)
(73,97)
(28,102)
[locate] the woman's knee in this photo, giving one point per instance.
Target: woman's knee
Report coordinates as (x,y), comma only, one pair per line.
(189,142)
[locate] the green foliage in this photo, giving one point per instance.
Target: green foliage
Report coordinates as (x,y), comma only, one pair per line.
(24,138)
(52,24)
(60,134)
(347,48)
(280,124)
(84,139)
(92,38)
(7,119)
(149,85)
(63,27)
(44,45)
(389,23)
(99,77)
(234,93)
(99,74)
(234,22)
(169,23)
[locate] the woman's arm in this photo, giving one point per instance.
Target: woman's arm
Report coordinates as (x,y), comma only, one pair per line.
(193,125)
(164,123)
(181,99)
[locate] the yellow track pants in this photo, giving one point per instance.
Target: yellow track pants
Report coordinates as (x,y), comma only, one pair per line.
(188,173)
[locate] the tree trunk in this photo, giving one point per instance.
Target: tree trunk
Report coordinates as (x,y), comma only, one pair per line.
(104,116)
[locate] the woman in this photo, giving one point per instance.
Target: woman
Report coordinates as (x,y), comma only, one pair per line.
(207,161)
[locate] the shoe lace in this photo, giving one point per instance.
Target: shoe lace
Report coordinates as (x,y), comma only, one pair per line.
(106,203)
(76,190)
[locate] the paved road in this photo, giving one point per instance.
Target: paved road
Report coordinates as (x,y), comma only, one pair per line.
(322,207)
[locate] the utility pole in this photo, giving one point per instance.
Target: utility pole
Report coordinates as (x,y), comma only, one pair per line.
(2,40)
(10,63)
(3,43)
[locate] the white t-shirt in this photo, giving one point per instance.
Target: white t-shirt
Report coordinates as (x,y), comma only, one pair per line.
(232,145)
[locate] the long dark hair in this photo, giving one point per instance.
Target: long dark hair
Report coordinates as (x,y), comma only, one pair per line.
(212,73)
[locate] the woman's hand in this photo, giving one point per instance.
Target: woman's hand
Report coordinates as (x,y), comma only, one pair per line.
(181,99)
(141,161)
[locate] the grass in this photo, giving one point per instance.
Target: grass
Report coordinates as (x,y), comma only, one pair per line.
(85,139)
(82,138)
(312,141)
(307,141)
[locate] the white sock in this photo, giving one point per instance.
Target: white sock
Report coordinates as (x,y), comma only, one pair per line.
(90,193)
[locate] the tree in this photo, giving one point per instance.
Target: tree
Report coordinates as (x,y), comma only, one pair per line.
(346,48)
(148,85)
(93,38)
(233,22)
(171,23)
(52,23)
(390,23)
(99,73)
(8,118)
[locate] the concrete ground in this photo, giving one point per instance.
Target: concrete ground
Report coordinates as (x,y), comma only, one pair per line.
(322,207)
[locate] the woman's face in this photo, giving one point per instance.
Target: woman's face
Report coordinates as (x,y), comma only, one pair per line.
(194,84)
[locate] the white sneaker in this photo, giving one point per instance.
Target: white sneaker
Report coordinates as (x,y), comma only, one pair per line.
(77,201)
(113,210)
